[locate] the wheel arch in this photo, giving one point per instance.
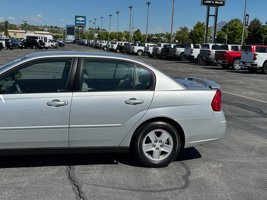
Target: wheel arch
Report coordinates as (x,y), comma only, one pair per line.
(175,124)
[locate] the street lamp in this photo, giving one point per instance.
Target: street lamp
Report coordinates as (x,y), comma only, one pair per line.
(95,22)
(118,25)
(90,24)
(109,25)
(130,25)
(172,20)
(148,4)
(101,25)
(244,19)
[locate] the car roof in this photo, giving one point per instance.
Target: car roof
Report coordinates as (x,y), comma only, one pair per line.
(80,54)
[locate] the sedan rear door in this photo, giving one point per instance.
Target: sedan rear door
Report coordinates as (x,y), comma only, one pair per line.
(112,97)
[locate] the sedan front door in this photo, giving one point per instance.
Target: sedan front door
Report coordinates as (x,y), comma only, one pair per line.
(35,105)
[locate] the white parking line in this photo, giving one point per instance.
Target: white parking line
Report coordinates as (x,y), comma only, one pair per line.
(250,98)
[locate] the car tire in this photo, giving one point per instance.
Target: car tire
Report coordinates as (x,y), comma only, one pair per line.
(139,53)
(264,68)
(236,64)
(183,58)
(156,144)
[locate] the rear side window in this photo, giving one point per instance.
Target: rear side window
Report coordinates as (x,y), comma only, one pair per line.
(109,75)
(261,49)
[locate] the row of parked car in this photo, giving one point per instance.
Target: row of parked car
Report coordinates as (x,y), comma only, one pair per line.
(229,56)
(6,43)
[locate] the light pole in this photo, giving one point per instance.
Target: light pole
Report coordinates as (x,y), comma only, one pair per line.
(130,25)
(101,25)
(172,19)
(148,4)
(90,24)
(118,25)
(244,19)
(109,25)
(95,22)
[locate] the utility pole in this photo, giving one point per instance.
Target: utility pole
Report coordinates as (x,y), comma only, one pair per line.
(244,19)
(130,24)
(118,25)
(172,20)
(109,25)
(148,4)
(95,22)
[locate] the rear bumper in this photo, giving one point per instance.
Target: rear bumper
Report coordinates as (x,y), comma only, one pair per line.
(250,65)
(205,130)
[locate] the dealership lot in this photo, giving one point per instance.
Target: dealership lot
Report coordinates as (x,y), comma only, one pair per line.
(233,168)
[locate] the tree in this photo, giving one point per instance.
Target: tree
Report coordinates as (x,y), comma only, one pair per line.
(222,37)
(198,33)
(183,35)
(255,32)
(137,36)
(231,32)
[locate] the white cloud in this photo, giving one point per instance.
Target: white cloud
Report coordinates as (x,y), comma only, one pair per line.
(10,18)
(61,21)
(2,19)
(37,18)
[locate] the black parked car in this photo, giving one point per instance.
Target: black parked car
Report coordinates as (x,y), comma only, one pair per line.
(32,43)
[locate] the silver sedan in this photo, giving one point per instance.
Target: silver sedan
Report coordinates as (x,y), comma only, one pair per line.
(78,100)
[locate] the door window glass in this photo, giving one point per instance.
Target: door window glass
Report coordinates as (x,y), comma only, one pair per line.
(39,77)
(114,76)
(107,76)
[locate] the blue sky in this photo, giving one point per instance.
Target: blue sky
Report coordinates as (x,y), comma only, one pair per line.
(62,12)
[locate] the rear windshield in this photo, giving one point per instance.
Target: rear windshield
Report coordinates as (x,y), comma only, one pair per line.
(223,47)
(246,48)
(196,46)
(216,47)
(261,49)
(235,48)
(205,46)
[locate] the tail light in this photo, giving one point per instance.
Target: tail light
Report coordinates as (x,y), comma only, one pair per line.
(216,103)
(255,56)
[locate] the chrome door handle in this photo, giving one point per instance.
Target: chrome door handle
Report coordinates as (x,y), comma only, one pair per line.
(134,101)
(57,103)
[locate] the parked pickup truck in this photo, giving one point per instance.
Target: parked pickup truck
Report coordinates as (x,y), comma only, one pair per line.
(192,51)
(177,52)
(229,55)
(165,51)
(139,48)
(254,57)
(207,53)
(157,50)
(149,49)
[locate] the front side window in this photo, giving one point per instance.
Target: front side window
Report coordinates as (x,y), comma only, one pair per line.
(46,76)
(100,76)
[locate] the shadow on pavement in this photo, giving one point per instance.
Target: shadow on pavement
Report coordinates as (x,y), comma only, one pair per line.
(15,161)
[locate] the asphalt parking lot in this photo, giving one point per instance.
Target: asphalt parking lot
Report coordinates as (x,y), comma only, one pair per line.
(232,168)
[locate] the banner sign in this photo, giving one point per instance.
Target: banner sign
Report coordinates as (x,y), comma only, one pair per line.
(213,2)
(80,21)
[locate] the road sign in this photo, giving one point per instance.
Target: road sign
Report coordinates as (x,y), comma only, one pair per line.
(213,2)
(80,21)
